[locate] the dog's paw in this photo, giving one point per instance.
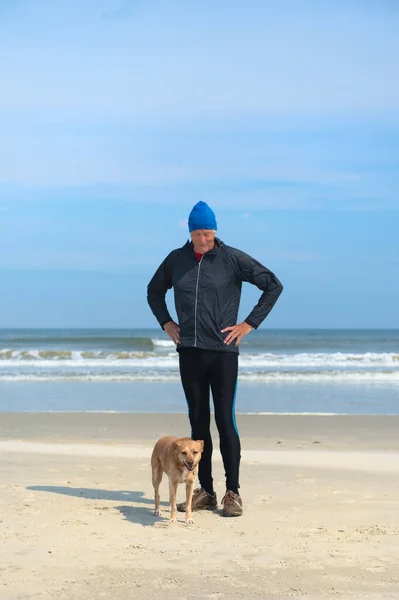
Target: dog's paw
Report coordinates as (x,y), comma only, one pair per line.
(189,521)
(157,513)
(172,520)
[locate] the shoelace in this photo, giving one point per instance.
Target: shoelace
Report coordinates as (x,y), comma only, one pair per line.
(229,498)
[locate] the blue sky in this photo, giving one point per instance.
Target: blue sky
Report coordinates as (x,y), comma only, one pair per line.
(116,117)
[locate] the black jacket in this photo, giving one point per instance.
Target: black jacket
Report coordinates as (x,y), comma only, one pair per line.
(207,293)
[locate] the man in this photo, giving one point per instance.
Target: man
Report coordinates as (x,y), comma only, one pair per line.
(207,278)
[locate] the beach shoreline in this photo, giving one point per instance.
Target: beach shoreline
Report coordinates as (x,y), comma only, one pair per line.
(320,516)
(335,431)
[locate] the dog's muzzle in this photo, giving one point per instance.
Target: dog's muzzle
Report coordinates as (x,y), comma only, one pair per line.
(189,466)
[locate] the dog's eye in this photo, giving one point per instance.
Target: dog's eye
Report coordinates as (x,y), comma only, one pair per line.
(195,452)
(185,453)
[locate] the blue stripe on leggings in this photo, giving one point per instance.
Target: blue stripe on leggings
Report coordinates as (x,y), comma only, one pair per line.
(233,407)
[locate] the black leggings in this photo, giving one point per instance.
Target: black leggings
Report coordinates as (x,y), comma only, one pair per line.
(202,371)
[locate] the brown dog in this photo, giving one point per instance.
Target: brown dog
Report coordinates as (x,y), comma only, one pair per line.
(178,458)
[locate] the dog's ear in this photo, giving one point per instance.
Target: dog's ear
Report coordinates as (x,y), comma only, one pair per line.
(176,445)
(201,442)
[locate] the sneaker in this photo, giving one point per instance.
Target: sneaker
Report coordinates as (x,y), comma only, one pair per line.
(201,501)
(232,505)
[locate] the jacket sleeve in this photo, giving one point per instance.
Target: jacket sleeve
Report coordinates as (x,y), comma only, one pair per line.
(249,269)
(156,291)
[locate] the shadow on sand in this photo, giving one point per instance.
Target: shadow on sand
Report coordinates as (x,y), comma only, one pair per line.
(142,515)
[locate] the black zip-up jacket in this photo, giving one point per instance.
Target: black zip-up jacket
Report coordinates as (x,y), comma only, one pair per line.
(208,292)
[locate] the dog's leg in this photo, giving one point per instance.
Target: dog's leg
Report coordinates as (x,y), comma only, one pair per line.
(157,473)
(189,498)
(172,500)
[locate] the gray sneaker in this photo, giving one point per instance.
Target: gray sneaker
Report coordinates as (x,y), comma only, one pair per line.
(232,505)
(201,501)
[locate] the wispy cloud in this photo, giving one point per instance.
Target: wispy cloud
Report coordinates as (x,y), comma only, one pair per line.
(124,11)
(293,257)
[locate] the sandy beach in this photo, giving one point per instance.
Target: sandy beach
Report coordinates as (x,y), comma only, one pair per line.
(320,493)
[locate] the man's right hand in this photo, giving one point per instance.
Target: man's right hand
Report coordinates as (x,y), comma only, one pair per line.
(173,331)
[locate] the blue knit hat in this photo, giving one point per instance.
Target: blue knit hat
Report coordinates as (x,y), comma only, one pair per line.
(201,217)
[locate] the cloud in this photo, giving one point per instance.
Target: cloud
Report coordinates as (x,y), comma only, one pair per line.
(295,257)
(183,224)
(125,11)
(4,208)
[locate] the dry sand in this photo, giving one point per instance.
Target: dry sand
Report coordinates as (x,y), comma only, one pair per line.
(321,500)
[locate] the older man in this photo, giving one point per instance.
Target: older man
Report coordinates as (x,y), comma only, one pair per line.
(207,277)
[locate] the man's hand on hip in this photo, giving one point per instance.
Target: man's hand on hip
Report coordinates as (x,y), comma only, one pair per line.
(237,332)
(173,331)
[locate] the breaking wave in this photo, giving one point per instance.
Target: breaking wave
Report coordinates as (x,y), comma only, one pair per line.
(141,358)
(255,376)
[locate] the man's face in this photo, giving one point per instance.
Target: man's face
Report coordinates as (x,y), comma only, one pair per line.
(203,240)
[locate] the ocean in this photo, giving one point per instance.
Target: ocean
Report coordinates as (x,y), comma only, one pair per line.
(136,370)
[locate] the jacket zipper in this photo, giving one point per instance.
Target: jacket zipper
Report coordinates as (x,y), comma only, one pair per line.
(196,302)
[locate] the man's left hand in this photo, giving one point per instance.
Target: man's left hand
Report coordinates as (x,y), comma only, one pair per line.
(237,332)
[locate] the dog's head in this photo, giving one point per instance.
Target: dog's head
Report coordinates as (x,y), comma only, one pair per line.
(188,452)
